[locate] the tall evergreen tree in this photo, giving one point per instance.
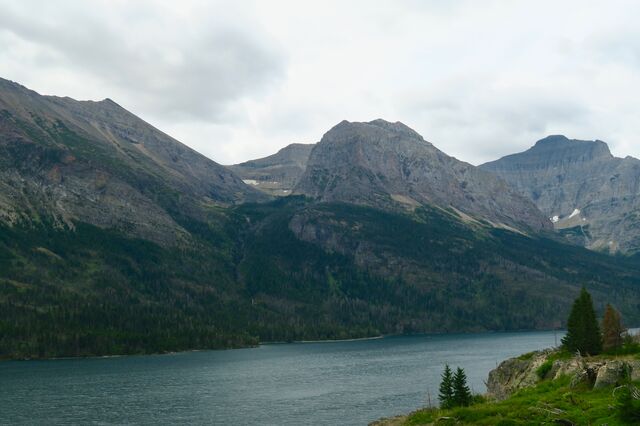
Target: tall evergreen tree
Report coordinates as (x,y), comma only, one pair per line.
(612,329)
(583,332)
(461,392)
(446,388)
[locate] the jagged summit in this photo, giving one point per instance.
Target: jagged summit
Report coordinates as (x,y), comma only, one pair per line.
(555,143)
(552,141)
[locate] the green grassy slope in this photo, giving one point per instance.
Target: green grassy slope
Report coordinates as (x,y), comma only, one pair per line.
(551,402)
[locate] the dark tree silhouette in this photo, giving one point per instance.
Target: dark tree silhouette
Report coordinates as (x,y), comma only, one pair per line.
(583,332)
(446,388)
(461,392)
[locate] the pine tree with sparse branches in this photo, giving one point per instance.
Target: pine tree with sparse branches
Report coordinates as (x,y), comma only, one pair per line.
(446,388)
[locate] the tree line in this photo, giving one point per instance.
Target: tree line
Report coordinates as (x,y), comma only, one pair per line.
(586,336)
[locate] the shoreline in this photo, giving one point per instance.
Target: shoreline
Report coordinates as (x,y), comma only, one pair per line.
(382,336)
(354,339)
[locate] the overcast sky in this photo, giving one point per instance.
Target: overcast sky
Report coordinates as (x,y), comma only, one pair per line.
(238,80)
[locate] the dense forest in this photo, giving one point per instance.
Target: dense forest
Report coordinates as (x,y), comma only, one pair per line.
(288,270)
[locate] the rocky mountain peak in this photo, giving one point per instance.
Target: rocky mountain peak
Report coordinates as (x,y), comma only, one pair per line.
(372,131)
(588,193)
(95,162)
(388,165)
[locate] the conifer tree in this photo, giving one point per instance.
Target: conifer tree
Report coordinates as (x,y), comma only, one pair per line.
(461,392)
(612,329)
(583,332)
(446,388)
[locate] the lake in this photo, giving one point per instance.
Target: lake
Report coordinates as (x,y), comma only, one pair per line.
(329,383)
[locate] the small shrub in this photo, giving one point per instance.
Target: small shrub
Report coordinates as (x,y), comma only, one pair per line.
(478,399)
(544,369)
(527,356)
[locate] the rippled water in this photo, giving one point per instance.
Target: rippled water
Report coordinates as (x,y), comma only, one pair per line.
(290,384)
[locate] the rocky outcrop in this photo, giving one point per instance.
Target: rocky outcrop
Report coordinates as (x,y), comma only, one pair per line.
(591,196)
(514,374)
(276,174)
(64,161)
(518,373)
(390,166)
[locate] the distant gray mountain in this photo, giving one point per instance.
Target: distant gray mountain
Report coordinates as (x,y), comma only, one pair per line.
(276,174)
(590,195)
(390,166)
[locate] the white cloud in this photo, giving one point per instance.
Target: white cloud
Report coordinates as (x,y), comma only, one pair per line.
(238,80)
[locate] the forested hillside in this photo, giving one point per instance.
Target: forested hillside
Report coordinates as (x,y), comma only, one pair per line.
(290,269)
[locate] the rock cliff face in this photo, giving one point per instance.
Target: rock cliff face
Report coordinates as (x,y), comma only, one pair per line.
(589,194)
(390,166)
(63,160)
(518,373)
(276,174)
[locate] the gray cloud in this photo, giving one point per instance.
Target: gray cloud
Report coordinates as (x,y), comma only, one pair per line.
(170,69)
(239,80)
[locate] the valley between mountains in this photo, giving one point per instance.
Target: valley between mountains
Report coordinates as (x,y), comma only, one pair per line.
(117,239)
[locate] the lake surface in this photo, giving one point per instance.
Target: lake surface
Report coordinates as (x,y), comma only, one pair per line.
(326,383)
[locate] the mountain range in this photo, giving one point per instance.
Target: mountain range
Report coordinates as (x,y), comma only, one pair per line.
(116,238)
(590,197)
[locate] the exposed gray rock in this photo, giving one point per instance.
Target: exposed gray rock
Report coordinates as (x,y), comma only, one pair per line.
(589,194)
(276,174)
(612,373)
(63,161)
(390,166)
(514,374)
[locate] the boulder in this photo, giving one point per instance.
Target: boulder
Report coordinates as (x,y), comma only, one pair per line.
(612,373)
(514,374)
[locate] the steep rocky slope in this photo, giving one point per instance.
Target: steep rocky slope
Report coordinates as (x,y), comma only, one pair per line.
(589,194)
(63,160)
(276,174)
(388,165)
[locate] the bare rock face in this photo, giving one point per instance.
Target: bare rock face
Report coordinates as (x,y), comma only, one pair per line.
(514,374)
(390,166)
(63,161)
(589,194)
(276,174)
(612,373)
